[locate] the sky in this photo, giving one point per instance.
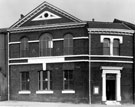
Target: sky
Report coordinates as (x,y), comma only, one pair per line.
(100,10)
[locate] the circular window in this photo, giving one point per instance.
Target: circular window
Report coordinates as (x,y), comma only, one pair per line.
(46,14)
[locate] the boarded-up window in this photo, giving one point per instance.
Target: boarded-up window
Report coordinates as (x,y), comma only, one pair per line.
(46,45)
(24,47)
(68,44)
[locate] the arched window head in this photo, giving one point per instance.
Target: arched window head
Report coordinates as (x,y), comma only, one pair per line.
(24,47)
(68,44)
(46,45)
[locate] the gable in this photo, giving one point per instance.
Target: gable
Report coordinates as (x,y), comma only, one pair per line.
(45,14)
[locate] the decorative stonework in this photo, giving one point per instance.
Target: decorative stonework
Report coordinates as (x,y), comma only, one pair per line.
(46,15)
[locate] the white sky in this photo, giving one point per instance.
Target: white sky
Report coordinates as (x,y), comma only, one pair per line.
(100,10)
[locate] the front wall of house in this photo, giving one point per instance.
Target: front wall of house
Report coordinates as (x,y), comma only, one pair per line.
(80,75)
(80,72)
(80,45)
(124,60)
(126,81)
(126,48)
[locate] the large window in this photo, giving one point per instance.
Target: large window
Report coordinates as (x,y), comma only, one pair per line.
(68,44)
(45,80)
(111,44)
(68,83)
(24,47)
(25,81)
(46,45)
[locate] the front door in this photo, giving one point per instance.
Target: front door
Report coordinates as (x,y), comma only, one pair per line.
(111,87)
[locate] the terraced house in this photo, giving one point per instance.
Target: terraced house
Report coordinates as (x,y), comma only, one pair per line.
(56,57)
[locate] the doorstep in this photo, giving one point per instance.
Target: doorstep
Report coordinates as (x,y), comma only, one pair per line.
(112,103)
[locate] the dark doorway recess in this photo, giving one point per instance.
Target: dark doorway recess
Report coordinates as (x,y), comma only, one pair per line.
(111,87)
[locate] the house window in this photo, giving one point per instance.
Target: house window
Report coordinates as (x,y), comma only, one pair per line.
(25,81)
(106,47)
(46,45)
(24,47)
(45,80)
(111,44)
(116,48)
(68,83)
(68,44)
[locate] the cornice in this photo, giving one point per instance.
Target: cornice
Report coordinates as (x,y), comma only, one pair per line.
(46,27)
(110,31)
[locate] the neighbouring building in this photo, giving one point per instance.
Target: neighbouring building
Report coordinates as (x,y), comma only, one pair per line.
(56,57)
(3,64)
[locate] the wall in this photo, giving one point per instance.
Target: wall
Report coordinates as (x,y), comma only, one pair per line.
(80,76)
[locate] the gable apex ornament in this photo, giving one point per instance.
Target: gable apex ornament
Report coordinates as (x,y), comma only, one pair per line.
(46,15)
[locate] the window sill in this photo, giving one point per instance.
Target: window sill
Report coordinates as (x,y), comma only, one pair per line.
(44,92)
(68,92)
(24,92)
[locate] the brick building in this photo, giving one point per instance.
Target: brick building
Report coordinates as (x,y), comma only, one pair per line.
(56,57)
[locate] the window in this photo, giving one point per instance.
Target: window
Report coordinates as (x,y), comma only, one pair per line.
(106,46)
(68,44)
(46,45)
(116,48)
(68,82)
(25,81)
(111,44)
(24,47)
(45,80)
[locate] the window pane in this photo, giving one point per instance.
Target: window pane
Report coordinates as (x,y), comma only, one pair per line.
(106,47)
(45,85)
(116,47)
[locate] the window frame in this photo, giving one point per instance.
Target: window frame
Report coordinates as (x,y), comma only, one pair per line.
(41,81)
(112,38)
(68,80)
(45,44)
(27,80)
(68,44)
(24,47)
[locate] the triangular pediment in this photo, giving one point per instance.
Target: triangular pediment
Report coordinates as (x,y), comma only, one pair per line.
(45,14)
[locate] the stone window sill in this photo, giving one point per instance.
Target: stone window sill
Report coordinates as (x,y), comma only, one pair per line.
(24,92)
(68,92)
(44,92)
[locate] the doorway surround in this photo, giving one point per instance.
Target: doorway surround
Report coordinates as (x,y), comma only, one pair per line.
(111,70)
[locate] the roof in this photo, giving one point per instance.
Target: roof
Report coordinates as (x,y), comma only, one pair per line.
(35,13)
(3,30)
(132,26)
(107,25)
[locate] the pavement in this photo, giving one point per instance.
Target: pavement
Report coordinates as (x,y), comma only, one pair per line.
(46,104)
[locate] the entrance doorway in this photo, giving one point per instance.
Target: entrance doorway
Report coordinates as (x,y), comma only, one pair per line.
(111,86)
(111,83)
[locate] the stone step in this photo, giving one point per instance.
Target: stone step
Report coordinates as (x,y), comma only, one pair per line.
(112,103)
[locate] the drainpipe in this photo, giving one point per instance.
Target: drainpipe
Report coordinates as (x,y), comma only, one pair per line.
(89,66)
(8,65)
